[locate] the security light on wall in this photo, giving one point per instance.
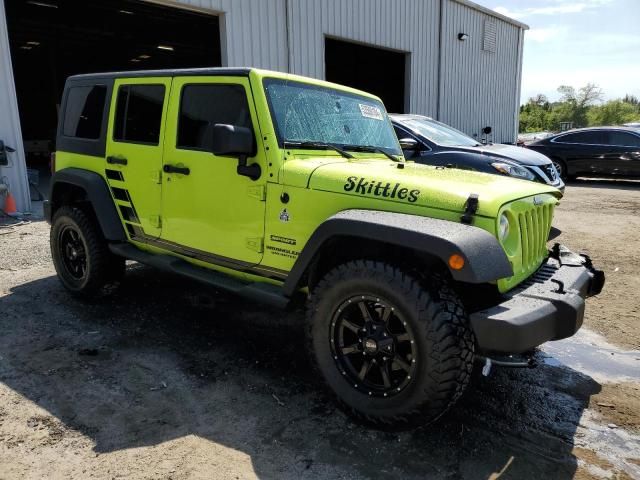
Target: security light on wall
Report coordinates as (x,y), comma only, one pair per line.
(463,36)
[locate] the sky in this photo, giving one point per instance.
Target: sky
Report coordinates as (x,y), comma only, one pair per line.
(574,42)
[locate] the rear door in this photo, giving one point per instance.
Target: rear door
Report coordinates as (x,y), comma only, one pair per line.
(134,151)
(623,157)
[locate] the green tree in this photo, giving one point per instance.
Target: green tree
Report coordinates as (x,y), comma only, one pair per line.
(614,112)
(574,105)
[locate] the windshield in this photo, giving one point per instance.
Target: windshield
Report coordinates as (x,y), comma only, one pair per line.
(439,133)
(308,113)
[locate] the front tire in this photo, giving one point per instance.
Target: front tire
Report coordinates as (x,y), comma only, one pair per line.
(397,350)
(561,167)
(81,257)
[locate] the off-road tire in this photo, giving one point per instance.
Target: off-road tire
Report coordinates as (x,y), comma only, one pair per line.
(443,339)
(103,270)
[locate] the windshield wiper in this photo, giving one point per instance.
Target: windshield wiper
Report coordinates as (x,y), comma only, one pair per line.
(318,145)
(371,149)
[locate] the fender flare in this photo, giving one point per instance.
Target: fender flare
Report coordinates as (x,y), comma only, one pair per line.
(98,195)
(485,260)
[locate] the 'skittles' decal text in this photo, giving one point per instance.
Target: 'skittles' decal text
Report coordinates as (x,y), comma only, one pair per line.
(364,186)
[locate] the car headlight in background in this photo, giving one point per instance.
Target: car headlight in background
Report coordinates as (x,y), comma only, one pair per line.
(503,228)
(513,170)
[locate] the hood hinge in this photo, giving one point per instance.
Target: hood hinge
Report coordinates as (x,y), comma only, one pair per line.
(255,244)
(258,192)
(470,209)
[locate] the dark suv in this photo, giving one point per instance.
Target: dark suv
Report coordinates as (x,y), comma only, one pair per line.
(598,151)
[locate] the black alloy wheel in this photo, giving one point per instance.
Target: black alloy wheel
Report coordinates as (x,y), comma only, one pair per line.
(373,345)
(73,252)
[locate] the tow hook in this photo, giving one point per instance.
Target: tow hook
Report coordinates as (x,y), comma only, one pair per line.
(560,284)
(511,361)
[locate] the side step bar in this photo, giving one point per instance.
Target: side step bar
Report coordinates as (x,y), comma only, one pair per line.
(260,292)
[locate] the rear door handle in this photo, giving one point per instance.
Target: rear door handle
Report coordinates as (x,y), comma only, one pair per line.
(175,169)
(117,160)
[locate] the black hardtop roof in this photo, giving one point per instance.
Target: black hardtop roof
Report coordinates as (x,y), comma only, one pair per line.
(169,72)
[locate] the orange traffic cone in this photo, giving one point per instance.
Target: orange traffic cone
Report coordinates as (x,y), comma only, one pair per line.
(10,204)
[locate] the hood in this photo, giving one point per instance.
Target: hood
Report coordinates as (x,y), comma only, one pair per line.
(521,155)
(412,184)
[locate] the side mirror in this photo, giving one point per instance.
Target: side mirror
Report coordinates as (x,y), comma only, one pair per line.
(238,142)
(409,144)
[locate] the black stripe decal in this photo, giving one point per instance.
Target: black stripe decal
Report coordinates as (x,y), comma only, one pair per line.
(115,175)
(129,214)
(120,194)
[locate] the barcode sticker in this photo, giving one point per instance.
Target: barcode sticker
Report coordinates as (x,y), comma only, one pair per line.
(370,111)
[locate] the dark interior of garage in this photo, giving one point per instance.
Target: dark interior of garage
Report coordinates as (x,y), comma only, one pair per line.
(52,39)
(376,70)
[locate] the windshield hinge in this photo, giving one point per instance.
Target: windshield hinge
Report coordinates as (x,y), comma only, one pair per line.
(470,209)
(255,244)
(257,191)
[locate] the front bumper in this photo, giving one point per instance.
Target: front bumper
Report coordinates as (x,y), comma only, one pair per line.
(547,306)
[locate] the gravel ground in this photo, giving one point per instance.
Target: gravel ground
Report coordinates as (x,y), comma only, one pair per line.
(168,379)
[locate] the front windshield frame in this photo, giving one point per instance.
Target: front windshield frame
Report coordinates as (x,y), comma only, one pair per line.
(409,123)
(396,150)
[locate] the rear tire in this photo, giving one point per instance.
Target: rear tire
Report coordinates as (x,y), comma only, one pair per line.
(425,344)
(81,257)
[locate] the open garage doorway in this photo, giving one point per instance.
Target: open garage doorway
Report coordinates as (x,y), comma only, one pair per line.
(52,39)
(375,70)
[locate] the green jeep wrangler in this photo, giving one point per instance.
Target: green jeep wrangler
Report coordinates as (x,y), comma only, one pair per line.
(278,187)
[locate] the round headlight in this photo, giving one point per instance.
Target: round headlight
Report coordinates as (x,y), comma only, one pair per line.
(504,227)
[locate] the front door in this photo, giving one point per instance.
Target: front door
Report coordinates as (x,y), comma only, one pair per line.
(209,212)
(134,151)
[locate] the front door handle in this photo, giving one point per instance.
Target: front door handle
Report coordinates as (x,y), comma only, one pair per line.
(176,169)
(117,160)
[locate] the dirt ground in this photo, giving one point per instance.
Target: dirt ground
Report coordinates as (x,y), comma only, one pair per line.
(602,218)
(170,380)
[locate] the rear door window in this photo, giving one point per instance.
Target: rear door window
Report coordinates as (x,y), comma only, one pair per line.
(139,114)
(84,111)
(622,139)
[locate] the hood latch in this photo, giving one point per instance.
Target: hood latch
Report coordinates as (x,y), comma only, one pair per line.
(470,209)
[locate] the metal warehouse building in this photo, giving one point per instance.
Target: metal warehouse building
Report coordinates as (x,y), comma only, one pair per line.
(453,60)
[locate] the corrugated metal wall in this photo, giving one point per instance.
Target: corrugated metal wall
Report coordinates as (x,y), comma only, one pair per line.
(16,172)
(253,32)
(479,88)
(406,25)
(476,88)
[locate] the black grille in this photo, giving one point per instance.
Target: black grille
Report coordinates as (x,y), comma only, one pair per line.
(550,171)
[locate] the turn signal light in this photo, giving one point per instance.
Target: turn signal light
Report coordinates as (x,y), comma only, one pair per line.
(456,261)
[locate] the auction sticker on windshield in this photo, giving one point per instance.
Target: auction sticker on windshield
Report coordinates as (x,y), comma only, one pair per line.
(370,111)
